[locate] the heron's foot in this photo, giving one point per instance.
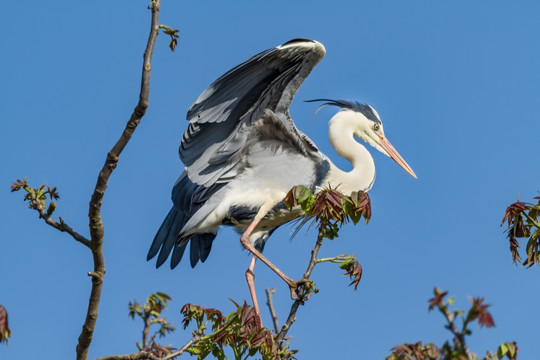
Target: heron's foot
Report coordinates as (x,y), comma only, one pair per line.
(302,289)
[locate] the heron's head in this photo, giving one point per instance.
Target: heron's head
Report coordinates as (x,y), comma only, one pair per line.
(364,123)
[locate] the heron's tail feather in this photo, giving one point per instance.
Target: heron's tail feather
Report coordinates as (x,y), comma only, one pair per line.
(167,237)
(201,244)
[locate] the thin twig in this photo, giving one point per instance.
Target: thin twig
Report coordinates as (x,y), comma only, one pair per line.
(146,328)
(270,304)
(531,220)
(195,339)
(300,301)
(145,354)
(94,213)
(141,355)
(460,336)
(62,226)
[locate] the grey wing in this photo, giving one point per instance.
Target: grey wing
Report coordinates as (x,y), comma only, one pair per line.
(221,118)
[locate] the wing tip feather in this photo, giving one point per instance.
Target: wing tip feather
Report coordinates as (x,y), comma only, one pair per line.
(313,45)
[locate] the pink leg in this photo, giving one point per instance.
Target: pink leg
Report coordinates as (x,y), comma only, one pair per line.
(250,277)
(244,239)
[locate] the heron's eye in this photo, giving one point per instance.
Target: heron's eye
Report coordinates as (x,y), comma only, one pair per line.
(376,127)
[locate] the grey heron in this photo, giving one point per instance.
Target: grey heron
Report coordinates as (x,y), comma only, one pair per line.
(242,153)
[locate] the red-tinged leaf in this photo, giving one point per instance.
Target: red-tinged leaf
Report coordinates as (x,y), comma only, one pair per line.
(173,44)
(5,333)
(353,270)
(334,198)
(161,351)
(485,319)
(52,193)
(208,312)
(20,184)
(438,299)
(362,203)
(186,311)
(514,211)
(479,312)
(290,198)
(514,250)
(247,314)
(415,352)
(259,337)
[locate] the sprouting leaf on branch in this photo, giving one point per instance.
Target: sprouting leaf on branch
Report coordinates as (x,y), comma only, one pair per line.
(456,348)
(38,196)
(329,208)
(173,33)
(353,270)
(508,349)
(479,312)
(19,184)
(155,303)
(160,350)
(358,205)
(150,314)
(5,333)
(241,331)
(415,352)
(438,299)
(201,316)
(352,267)
(523,221)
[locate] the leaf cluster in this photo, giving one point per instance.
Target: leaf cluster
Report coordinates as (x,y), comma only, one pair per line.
(329,208)
(5,333)
(455,349)
(150,313)
(173,33)
(477,311)
(352,267)
(241,331)
(37,196)
(523,221)
(415,352)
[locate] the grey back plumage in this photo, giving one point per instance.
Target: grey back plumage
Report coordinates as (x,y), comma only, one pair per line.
(221,127)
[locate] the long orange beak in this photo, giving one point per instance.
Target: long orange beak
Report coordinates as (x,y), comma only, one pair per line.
(395,155)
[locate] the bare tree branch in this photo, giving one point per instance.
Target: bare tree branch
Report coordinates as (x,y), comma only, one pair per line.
(145,354)
(304,288)
(141,355)
(61,226)
(146,328)
(270,304)
(195,339)
(94,213)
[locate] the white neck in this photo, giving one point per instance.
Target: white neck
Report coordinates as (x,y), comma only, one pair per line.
(362,175)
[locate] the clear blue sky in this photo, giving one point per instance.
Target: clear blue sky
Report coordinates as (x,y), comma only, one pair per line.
(456,83)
